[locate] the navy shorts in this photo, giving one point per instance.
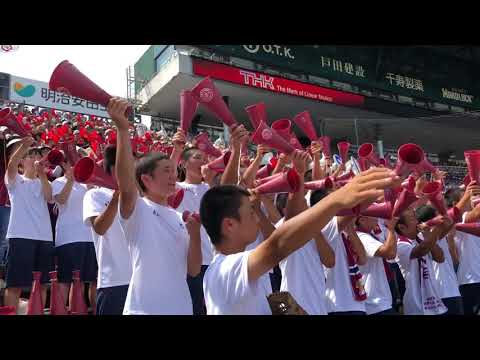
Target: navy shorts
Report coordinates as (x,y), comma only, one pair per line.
(77,256)
(111,300)
(24,257)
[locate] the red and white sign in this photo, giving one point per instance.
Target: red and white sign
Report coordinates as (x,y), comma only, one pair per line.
(275,84)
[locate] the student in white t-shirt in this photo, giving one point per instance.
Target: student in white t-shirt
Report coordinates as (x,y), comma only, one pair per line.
(100,209)
(468,247)
(73,243)
(194,161)
(29,229)
(379,297)
(341,299)
(163,248)
(233,282)
(302,271)
(444,272)
(415,254)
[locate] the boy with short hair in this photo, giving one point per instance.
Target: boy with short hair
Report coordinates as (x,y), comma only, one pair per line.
(29,230)
(100,207)
(163,248)
(233,282)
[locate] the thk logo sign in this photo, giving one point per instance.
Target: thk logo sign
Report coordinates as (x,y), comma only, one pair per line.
(270,49)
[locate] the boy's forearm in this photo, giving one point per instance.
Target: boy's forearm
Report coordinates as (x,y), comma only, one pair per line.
(249,174)
(230,175)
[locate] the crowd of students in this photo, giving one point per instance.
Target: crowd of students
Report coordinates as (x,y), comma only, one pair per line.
(140,256)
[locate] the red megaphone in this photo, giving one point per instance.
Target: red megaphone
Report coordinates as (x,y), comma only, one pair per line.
(207,94)
(35,303)
(264,180)
(304,122)
(325,141)
(472,158)
(426,166)
(269,137)
(53,158)
(188,107)
(70,150)
(57,302)
(350,212)
(363,164)
(256,113)
(77,306)
(267,169)
(203,143)
(382,211)
(409,157)
(343,147)
(405,199)
(220,163)
(187,214)
(282,127)
(86,171)
(470,228)
(433,191)
(176,198)
(66,78)
(8,119)
(289,182)
(7,310)
(453,213)
(367,151)
(326,183)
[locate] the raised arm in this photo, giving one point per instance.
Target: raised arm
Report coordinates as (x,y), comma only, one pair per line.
(389,248)
(296,232)
(179,141)
(430,239)
(63,196)
(238,136)
(124,164)
(266,227)
(272,212)
(249,174)
(318,173)
(102,223)
(452,247)
(12,167)
(194,257)
(296,202)
(46,186)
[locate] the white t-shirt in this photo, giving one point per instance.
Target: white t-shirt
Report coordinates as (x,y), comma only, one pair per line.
(29,216)
(113,256)
(340,295)
(159,242)
(412,299)
(228,290)
(304,278)
(445,276)
(70,227)
(379,297)
(191,202)
(468,247)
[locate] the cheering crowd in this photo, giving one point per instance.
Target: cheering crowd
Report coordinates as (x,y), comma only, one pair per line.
(159,225)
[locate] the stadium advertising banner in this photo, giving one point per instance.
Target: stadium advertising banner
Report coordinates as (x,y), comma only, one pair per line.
(275,84)
(316,61)
(37,93)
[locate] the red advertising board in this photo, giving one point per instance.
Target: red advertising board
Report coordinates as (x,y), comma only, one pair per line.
(273,83)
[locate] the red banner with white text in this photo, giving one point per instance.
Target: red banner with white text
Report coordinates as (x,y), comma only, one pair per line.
(275,84)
